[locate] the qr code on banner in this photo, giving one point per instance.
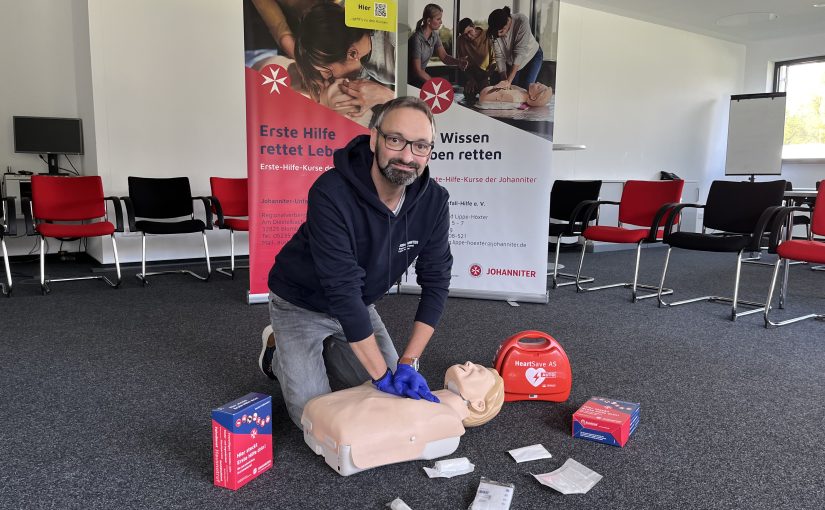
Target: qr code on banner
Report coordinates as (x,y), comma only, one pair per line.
(380,10)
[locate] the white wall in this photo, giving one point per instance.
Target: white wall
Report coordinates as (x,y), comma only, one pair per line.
(642,97)
(159,86)
(38,78)
(759,78)
(168,100)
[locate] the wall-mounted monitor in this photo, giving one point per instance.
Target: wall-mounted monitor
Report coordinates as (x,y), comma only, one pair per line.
(48,135)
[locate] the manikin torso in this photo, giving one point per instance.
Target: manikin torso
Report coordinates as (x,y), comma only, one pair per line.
(500,98)
(361,427)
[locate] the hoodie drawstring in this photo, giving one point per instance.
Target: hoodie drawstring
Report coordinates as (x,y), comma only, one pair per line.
(389,248)
(407,251)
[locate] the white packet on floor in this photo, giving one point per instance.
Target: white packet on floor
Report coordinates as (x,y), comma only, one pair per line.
(449,468)
(532,452)
(398,504)
(493,495)
(571,478)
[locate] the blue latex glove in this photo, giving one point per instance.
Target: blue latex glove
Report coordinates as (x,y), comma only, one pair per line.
(411,384)
(385,384)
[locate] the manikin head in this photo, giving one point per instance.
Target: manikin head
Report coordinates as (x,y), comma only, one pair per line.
(402,139)
(481,387)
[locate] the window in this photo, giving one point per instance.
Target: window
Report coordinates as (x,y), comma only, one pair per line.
(804,82)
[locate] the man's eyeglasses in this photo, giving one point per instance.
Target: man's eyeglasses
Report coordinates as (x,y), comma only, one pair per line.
(396,143)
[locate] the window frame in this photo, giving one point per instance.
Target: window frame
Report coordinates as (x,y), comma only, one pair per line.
(777,66)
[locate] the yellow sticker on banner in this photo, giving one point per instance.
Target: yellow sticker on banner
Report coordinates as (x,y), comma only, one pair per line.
(372,14)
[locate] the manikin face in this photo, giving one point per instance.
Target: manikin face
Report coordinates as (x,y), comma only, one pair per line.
(435,22)
(471,381)
(506,28)
(401,167)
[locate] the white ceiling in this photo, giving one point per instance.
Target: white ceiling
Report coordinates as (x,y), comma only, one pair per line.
(793,17)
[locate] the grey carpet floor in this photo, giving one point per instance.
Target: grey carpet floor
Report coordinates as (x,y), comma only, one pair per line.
(106,396)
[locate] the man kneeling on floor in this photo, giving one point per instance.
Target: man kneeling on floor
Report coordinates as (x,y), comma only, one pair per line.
(368,218)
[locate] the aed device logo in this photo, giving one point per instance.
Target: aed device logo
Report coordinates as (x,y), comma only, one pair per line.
(476,270)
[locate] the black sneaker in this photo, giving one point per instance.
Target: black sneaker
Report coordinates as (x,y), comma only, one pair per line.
(265,359)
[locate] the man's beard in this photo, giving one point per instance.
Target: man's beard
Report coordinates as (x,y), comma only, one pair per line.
(396,176)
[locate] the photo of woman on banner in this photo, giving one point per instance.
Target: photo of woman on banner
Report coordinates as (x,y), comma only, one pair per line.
(425,42)
(517,51)
(347,69)
(508,77)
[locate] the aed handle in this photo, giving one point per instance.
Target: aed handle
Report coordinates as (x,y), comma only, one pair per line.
(520,338)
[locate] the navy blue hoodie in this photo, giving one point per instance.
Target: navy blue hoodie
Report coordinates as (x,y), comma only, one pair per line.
(351,249)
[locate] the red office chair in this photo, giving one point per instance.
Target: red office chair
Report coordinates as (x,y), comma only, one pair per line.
(806,250)
(70,199)
(230,198)
(8,226)
(643,204)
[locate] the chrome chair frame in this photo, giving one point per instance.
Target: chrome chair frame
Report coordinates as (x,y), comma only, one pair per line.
(781,220)
(8,227)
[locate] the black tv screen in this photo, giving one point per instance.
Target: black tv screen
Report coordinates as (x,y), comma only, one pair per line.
(48,135)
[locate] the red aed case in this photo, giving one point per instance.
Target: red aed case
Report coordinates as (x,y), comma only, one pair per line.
(242,440)
(534,367)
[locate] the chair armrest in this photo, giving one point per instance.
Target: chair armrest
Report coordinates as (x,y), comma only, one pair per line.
(130,213)
(593,206)
(118,213)
(674,211)
(578,216)
(207,205)
(26,205)
(659,219)
(216,204)
(777,219)
(762,226)
(10,216)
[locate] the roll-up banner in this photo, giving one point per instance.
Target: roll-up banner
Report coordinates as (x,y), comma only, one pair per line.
(494,144)
(293,85)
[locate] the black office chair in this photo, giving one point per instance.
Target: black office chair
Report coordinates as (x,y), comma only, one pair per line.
(566,207)
(162,203)
(8,226)
(739,213)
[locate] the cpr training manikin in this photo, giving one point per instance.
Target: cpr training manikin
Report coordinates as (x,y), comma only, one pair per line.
(499,98)
(361,428)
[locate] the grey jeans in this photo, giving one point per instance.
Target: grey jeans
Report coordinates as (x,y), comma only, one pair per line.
(311,351)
